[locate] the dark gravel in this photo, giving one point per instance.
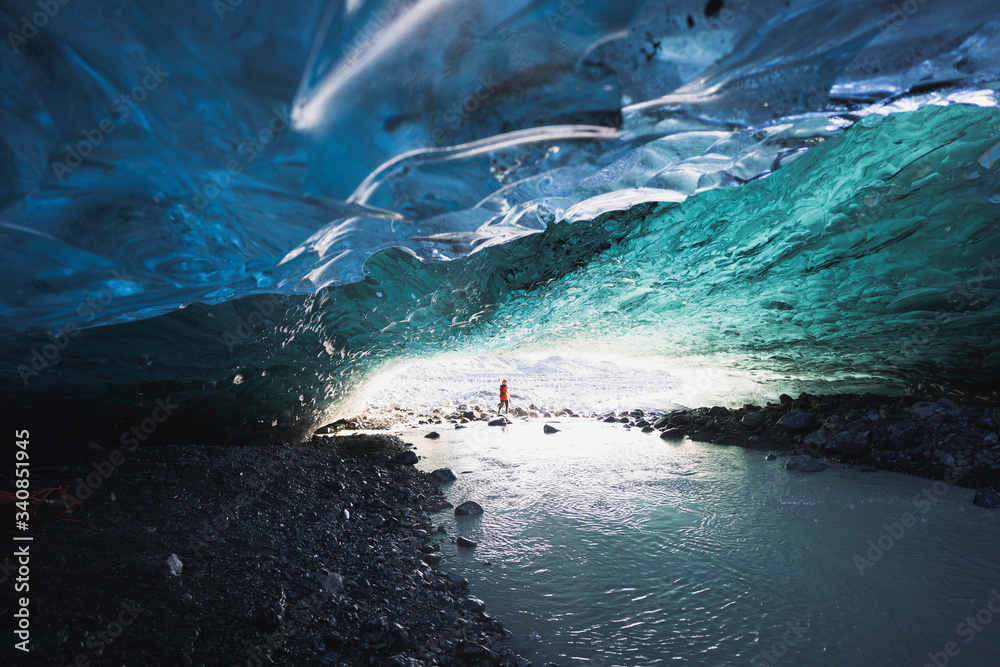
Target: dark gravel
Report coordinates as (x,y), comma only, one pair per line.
(315,554)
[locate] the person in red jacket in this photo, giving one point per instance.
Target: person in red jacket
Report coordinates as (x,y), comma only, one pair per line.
(504,398)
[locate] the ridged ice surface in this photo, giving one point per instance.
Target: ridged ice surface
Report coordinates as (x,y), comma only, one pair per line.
(608,548)
(252,210)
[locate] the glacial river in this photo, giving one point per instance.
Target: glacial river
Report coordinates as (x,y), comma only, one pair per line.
(603,546)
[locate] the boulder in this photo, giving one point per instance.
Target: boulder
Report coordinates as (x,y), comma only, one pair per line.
(834,423)
(661,422)
(770,457)
(433,435)
(472,604)
(987,497)
(549,428)
(499,421)
(925,410)
(804,463)
(408,457)
(816,438)
(754,420)
(443,475)
(846,443)
(672,434)
(471,652)
(469,508)
(949,405)
(718,411)
(796,421)
(465,542)
(906,435)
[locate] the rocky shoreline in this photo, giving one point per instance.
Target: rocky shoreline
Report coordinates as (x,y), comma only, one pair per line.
(937,439)
(931,437)
(323,553)
(317,554)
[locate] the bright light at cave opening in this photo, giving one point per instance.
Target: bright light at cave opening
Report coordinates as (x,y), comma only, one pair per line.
(577,379)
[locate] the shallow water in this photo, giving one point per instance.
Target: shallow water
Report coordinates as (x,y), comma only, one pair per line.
(613,547)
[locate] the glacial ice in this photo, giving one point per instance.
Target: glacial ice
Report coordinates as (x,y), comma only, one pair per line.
(301,195)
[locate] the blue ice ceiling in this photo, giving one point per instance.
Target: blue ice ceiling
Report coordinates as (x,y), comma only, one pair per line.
(807,188)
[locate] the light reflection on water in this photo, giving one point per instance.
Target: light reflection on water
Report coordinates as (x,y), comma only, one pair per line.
(618,548)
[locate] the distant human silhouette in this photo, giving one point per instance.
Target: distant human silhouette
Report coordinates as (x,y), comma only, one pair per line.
(504,398)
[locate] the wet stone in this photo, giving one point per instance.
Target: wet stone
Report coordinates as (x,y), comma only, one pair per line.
(469,508)
(804,463)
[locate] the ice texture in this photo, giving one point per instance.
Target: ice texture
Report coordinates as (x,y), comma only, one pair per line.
(253,206)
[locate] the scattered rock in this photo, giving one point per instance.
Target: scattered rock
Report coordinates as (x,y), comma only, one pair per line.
(331,582)
(906,435)
(770,457)
(474,653)
(754,420)
(850,444)
(648,429)
(987,497)
(465,542)
(270,615)
(171,566)
(433,435)
(796,421)
(549,428)
(444,475)
(948,405)
(431,559)
(469,508)
(499,421)
(925,410)
(804,463)
(471,603)
(817,438)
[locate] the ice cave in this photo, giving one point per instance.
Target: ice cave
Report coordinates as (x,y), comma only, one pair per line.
(231,229)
